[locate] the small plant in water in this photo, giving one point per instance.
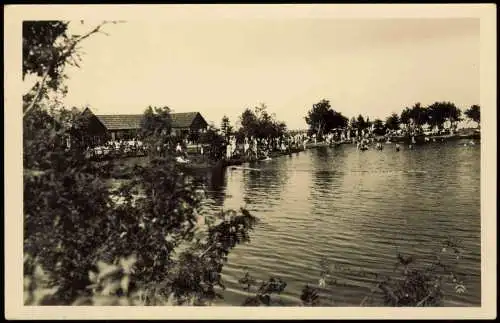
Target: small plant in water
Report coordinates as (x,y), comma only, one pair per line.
(264,290)
(410,284)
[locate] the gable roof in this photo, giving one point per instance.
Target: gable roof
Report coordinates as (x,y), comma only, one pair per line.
(133,121)
(183,119)
(120,121)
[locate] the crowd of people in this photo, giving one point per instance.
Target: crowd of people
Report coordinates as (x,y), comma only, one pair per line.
(117,148)
(260,148)
(250,147)
(133,147)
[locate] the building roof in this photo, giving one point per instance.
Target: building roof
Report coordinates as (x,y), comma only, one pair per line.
(121,121)
(183,120)
(133,121)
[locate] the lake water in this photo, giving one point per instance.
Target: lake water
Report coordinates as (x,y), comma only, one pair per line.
(354,208)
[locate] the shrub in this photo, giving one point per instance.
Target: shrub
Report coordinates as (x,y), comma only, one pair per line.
(74,220)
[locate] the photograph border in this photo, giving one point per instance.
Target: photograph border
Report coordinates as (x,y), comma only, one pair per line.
(15,14)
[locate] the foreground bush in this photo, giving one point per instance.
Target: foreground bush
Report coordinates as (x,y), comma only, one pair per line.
(74,222)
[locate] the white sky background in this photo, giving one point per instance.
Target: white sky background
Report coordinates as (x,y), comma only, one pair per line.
(217,67)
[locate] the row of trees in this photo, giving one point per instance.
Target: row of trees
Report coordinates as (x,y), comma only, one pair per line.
(322,119)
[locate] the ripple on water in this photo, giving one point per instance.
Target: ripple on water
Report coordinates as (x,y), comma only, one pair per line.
(358,209)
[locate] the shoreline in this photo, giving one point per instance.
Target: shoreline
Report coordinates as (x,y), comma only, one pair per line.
(419,139)
(125,165)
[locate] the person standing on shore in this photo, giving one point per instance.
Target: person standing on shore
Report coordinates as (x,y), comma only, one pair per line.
(228,150)
(245,146)
(233,145)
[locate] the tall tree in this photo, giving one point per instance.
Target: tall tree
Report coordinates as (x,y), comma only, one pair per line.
(474,113)
(338,120)
(360,122)
(353,123)
(368,123)
(322,118)
(156,121)
(249,123)
(439,112)
(259,123)
(392,122)
(226,126)
(419,114)
(378,127)
(156,127)
(405,116)
(317,117)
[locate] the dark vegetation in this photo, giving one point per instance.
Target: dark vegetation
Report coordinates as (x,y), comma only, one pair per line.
(260,124)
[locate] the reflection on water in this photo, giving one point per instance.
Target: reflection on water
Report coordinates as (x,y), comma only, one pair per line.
(355,208)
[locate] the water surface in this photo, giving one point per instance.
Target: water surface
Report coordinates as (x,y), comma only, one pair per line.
(354,208)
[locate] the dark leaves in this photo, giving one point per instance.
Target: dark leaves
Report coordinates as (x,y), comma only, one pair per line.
(309,296)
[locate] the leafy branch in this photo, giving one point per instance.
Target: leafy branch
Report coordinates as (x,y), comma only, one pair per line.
(58,58)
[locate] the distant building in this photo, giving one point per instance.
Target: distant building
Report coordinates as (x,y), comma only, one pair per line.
(102,128)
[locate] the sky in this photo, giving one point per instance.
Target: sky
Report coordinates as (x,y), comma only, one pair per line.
(220,67)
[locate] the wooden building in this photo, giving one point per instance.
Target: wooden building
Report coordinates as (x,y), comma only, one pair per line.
(102,128)
(188,123)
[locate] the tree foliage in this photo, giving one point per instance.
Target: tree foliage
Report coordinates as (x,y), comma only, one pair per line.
(405,116)
(47,48)
(352,123)
(156,126)
(473,113)
(44,49)
(146,238)
(260,124)
(226,127)
(435,114)
(378,127)
(392,122)
(419,114)
(322,119)
(361,123)
(216,143)
(439,112)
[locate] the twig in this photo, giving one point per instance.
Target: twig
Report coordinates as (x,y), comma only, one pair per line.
(64,56)
(424,299)
(39,91)
(204,252)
